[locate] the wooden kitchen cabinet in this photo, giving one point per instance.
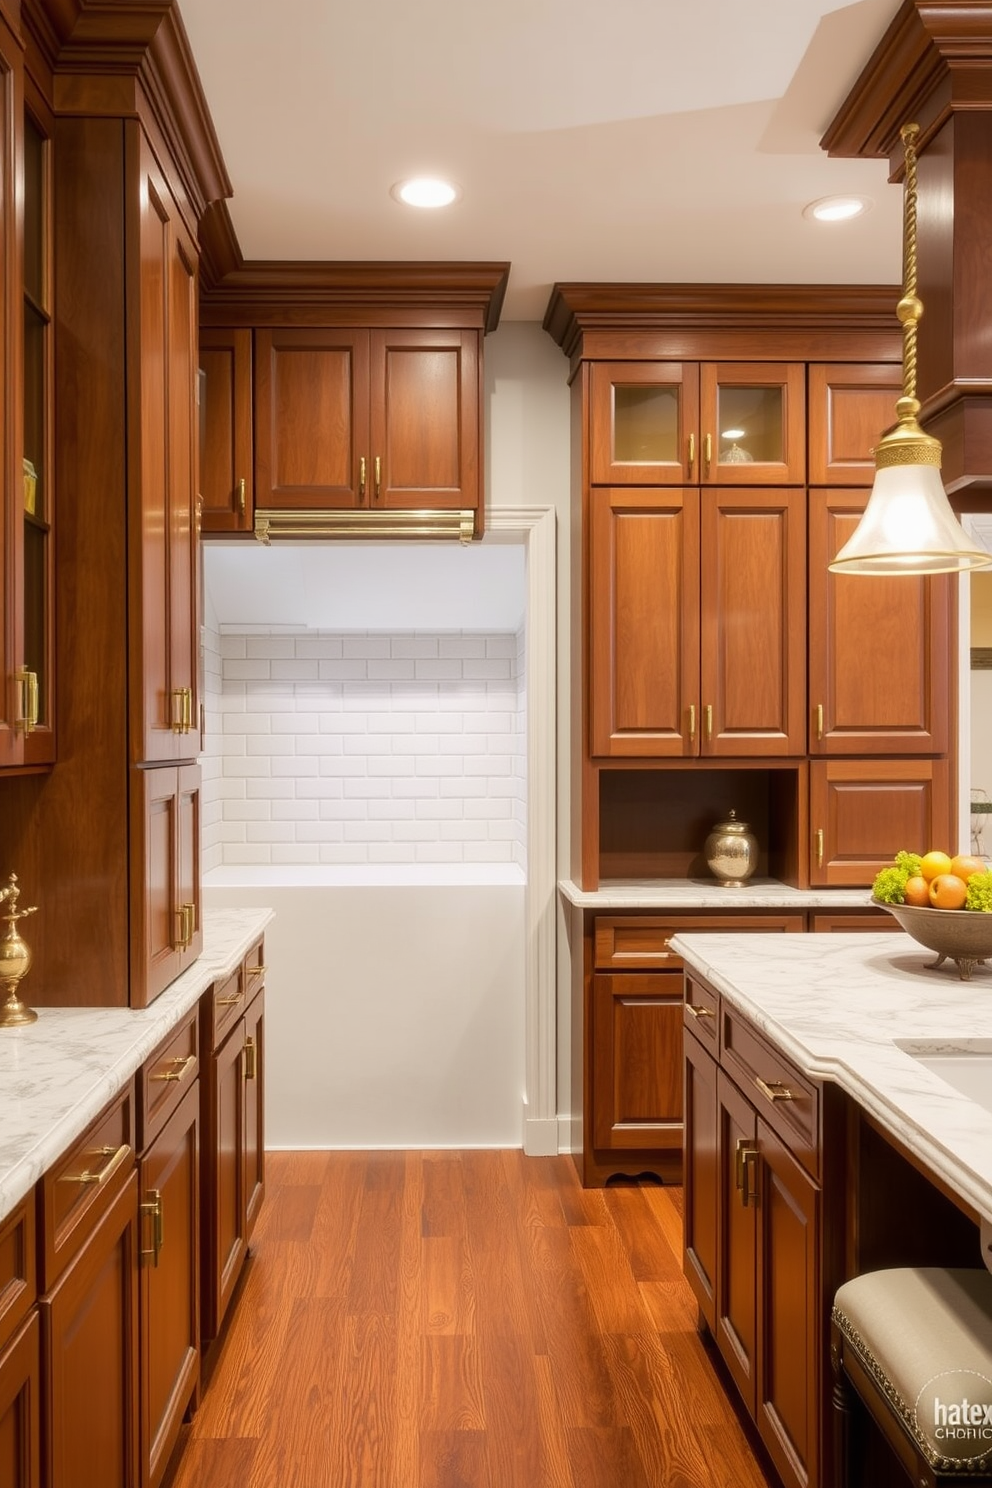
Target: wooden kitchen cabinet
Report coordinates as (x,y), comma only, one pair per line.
(851,405)
(753,1232)
(879,648)
(679,423)
(227,465)
(167,928)
(20,1377)
(378,419)
(862,812)
(233,1132)
(89,1306)
(697,602)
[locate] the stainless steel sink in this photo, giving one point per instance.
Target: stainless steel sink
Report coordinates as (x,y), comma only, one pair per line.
(964,1064)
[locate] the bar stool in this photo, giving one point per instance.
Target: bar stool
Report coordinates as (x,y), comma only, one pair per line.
(916,1345)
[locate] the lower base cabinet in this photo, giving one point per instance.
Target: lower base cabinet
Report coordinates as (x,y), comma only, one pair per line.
(20,1414)
(753,1234)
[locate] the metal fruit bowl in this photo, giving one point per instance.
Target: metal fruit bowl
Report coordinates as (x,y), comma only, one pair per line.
(960,935)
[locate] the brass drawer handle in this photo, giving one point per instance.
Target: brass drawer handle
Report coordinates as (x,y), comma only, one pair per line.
(361,479)
(699,1012)
(257,970)
(242,499)
(707,452)
(819,847)
(153,1207)
(692,452)
(692,723)
(180,1066)
(250,1058)
(228,1001)
(775,1091)
(114,1155)
(378,477)
(819,720)
(747,1156)
(708,712)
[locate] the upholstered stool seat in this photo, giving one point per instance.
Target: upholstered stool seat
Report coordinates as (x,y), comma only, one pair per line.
(916,1344)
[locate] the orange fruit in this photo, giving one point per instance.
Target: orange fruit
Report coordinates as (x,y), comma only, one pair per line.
(963,866)
(917,891)
(934,863)
(947,891)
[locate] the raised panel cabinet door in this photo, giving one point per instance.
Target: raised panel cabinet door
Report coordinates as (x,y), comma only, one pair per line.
(188,896)
(737,1252)
(643,423)
(223,1179)
(312,419)
(863,811)
(753,612)
(788,1386)
(20,1410)
(227,483)
(12,692)
(850,407)
(157,924)
(169,1231)
(183,478)
(880,649)
(700,1177)
(753,423)
(254,1097)
(637,1061)
(90,1341)
(424,410)
(644,623)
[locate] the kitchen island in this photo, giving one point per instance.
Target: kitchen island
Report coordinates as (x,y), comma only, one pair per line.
(825,1136)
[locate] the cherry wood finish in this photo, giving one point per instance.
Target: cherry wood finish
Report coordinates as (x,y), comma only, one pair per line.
(167,930)
(77,1190)
(165,1077)
(867,809)
(227,467)
(879,648)
(636,1038)
(851,404)
(20,1407)
(675,379)
(169,1183)
(870,920)
(737,1251)
(90,1344)
(233,1160)
(381,419)
(789,379)
(18,1275)
(701,1178)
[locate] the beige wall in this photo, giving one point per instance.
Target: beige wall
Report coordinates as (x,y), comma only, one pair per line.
(981,609)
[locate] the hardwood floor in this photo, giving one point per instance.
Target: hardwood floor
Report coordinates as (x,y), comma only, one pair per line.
(463,1320)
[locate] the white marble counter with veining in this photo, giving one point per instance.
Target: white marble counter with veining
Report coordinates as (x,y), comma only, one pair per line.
(844,1007)
(56,1075)
(707,893)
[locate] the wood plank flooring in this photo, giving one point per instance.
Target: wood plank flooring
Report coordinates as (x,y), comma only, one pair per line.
(463,1320)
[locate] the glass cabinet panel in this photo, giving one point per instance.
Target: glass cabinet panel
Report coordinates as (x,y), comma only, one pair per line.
(644,418)
(753,421)
(748,424)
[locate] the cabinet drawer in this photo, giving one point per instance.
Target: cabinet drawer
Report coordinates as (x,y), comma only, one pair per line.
(80,1188)
(165,1077)
(223,1005)
(781,1096)
(254,969)
(18,1281)
(702,1011)
(642,942)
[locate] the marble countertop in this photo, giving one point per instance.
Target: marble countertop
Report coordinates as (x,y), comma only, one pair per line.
(706,893)
(850,1007)
(56,1075)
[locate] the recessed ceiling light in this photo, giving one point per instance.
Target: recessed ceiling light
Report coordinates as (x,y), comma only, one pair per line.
(425,191)
(837,208)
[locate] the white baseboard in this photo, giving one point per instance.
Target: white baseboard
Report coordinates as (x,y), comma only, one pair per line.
(541,1136)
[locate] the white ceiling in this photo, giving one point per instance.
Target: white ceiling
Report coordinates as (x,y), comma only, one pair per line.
(659,140)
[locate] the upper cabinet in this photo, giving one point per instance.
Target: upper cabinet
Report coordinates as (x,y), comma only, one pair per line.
(679,423)
(366,397)
(27,700)
(850,406)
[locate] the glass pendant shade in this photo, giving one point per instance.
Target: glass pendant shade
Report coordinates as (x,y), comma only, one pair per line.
(908,527)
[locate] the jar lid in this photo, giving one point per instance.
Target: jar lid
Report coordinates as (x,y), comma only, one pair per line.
(731,824)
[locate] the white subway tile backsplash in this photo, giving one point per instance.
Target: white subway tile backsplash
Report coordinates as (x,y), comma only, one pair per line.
(349,749)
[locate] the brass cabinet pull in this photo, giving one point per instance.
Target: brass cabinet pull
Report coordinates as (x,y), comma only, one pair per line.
(775,1090)
(692,452)
(378,477)
(180,1066)
(709,722)
(152,1206)
(177,699)
(187,709)
(692,723)
(748,1186)
(819,720)
(242,496)
(28,683)
(257,970)
(699,1012)
(114,1155)
(707,453)
(250,1053)
(187,925)
(228,1001)
(819,847)
(361,479)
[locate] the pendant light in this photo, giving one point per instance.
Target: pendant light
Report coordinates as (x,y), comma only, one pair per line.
(908,526)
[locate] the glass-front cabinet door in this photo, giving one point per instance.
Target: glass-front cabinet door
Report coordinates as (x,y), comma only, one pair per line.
(644,422)
(752,424)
